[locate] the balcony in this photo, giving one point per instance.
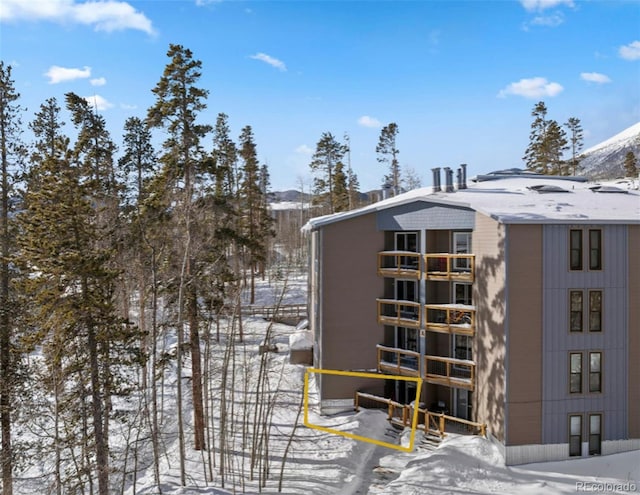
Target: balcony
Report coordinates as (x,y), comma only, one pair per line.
(446,371)
(399,313)
(458,319)
(450,372)
(454,267)
(399,264)
(398,361)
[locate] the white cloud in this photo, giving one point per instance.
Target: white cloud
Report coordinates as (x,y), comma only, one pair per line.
(98,102)
(98,81)
(303,149)
(630,51)
(268,59)
(540,5)
(595,77)
(553,20)
(126,106)
(103,15)
(535,87)
(367,121)
(57,74)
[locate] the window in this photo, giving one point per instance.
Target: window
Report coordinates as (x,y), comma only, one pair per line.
(575,435)
(575,373)
(595,435)
(595,372)
(595,310)
(406,241)
(462,245)
(575,311)
(462,293)
(575,249)
(595,250)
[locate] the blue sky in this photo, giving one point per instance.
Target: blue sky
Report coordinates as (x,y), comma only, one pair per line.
(459,78)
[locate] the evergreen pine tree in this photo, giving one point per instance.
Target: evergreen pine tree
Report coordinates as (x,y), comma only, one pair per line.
(575,142)
(178,104)
(630,164)
(11,155)
(547,143)
(251,202)
(340,188)
(388,153)
(71,294)
(328,153)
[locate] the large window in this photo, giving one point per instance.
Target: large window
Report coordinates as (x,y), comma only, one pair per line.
(595,434)
(575,311)
(595,249)
(575,372)
(595,310)
(575,249)
(575,435)
(595,372)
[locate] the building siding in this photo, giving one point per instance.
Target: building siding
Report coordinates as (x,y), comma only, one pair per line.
(348,325)
(524,342)
(422,215)
(489,344)
(633,302)
(558,403)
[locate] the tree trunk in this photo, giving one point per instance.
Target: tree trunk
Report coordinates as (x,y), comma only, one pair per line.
(97,408)
(5,332)
(196,369)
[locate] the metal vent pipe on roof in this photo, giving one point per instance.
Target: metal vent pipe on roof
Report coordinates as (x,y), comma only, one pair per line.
(436,179)
(459,179)
(448,175)
(463,167)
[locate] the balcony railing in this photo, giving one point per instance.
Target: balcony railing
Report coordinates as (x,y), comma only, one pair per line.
(444,266)
(459,319)
(399,313)
(450,372)
(399,264)
(398,361)
(446,371)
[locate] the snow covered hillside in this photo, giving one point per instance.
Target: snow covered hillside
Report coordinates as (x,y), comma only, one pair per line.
(605,160)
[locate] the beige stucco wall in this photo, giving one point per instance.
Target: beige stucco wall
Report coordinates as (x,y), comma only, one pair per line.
(634,331)
(488,242)
(524,339)
(349,331)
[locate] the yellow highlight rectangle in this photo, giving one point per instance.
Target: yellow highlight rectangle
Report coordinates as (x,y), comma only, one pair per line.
(414,420)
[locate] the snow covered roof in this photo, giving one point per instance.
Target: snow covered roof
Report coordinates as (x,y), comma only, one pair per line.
(521,198)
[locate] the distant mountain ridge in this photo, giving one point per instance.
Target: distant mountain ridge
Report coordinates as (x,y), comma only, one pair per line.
(606,160)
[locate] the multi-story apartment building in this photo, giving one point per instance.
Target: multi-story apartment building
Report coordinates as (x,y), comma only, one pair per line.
(516,299)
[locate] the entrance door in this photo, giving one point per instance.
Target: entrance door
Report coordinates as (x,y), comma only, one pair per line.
(461,403)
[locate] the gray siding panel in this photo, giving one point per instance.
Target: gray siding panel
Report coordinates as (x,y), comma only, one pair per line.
(558,341)
(421,215)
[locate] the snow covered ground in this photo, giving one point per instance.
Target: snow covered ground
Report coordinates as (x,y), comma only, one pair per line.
(321,463)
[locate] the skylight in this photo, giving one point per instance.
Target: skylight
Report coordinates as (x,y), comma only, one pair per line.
(608,189)
(547,188)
